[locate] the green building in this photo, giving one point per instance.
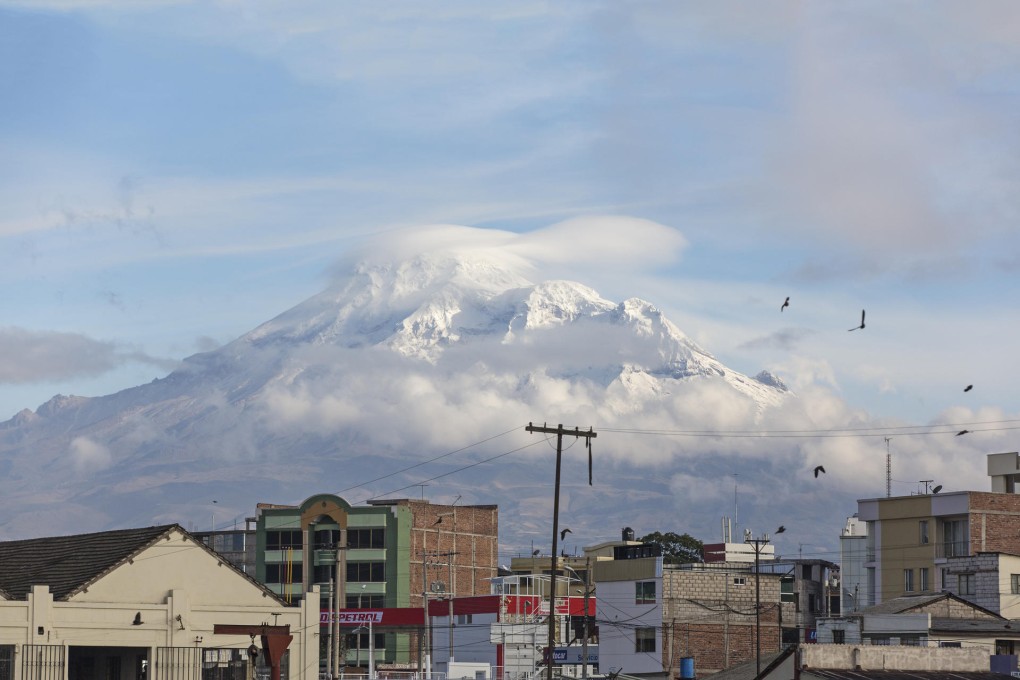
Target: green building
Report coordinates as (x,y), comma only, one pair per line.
(396,551)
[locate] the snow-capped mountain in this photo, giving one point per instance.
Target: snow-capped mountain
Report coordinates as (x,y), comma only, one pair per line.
(349,390)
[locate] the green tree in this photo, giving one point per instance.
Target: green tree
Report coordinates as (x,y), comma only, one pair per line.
(676,548)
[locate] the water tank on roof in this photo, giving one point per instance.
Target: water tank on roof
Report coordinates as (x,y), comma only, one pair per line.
(628,534)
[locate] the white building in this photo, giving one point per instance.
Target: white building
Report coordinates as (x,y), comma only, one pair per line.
(854,593)
(137,604)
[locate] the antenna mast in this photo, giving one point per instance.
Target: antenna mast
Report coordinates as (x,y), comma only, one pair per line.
(888,468)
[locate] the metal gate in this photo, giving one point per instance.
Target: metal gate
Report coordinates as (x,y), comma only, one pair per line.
(6,662)
(42,662)
(178,663)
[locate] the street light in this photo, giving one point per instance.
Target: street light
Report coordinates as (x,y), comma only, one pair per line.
(371,648)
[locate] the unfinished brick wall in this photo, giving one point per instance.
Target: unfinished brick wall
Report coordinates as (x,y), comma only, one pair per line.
(994,522)
(709,615)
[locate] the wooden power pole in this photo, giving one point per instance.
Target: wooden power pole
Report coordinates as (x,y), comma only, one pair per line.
(559,431)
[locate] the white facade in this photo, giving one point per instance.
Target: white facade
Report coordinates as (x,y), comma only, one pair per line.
(854,592)
(622,620)
(169,595)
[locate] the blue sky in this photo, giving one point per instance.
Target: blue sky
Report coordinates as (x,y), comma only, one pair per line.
(178,172)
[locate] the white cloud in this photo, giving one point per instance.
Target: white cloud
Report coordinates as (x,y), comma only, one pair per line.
(88,456)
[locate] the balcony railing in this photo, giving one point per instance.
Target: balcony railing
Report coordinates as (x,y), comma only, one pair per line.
(952,549)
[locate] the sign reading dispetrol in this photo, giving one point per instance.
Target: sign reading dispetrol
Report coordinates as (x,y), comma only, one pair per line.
(574,655)
(389,616)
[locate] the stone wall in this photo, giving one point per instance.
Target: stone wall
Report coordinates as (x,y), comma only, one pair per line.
(867,657)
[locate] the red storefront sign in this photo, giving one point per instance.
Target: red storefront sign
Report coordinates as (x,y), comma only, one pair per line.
(395,617)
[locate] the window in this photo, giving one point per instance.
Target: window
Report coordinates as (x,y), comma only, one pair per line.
(739,580)
(954,538)
(965,584)
(923,581)
(280,540)
(882,641)
(908,580)
(805,572)
(323,573)
(923,530)
(945,578)
(366,572)
(786,593)
(6,662)
(464,619)
(326,538)
(812,602)
(644,640)
(1014,584)
(838,637)
(360,640)
(365,601)
(953,645)
(644,592)
(284,573)
(361,539)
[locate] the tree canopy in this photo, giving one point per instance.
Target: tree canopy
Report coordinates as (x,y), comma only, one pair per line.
(676,548)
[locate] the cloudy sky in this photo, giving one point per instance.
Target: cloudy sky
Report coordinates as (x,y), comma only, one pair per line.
(177,173)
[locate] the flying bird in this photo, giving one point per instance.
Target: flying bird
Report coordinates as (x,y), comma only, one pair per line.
(819,469)
(781,529)
(968,388)
(862,323)
(534,553)
(438,521)
(563,534)
(962,432)
(786,303)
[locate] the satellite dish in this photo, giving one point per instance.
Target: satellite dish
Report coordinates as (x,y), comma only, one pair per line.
(937,489)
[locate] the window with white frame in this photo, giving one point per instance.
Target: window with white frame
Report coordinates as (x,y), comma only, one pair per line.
(923,580)
(965,584)
(908,580)
(1014,584)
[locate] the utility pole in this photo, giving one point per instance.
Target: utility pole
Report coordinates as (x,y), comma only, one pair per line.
(559,432)
(587,594)
(339,595)
(758,544)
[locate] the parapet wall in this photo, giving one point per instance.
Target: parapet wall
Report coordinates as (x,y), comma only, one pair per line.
(894,658)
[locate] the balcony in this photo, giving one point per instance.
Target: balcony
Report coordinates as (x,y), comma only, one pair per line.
(952,549)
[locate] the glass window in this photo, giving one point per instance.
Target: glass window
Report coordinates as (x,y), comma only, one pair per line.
(284,573)
(1014,584)
(365,601)
(838,637)
(908,580)
(954,538)
(288,538)
(363,539)
(786,593)
(366,572)
(965,584)
(923,527)
(644,640)
(805,572)
(739,580)
(644,592)
(923,579)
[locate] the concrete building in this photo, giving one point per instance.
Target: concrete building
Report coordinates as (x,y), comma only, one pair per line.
(393,554)
(809,589)
(988,579)
(854,593)
(940,620)
(910,539)
(136,603)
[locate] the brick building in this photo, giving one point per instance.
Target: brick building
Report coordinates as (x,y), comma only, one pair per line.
(911,539)
(709,614)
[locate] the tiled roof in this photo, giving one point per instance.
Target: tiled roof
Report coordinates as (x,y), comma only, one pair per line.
(900,605)
(67,563)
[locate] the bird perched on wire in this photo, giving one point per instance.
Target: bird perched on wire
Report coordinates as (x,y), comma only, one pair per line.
(968,388)
(786,303)
(563,534)
(818,469)
(861,327)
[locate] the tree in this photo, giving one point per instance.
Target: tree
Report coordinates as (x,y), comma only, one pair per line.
(676,548)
